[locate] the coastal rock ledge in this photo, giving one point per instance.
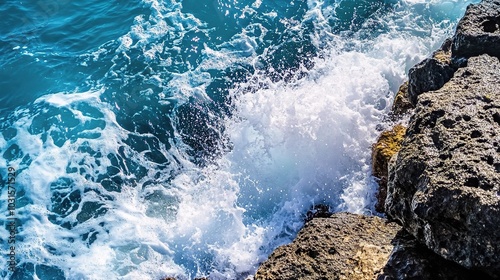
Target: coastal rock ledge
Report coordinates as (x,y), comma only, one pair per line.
(356,247)
(344,246)
(444,185)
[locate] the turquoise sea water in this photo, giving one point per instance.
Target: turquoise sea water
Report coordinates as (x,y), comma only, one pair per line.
(189,138)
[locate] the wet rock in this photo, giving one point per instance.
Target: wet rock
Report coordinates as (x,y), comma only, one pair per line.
(478,32)
(444,184)
(344,246)
(318,211)
(402,103)
(388,144)
(351,246)
(432,73)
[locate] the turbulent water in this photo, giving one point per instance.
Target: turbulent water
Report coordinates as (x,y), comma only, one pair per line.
(188,138)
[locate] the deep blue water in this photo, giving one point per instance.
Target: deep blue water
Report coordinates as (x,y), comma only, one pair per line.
(189,138)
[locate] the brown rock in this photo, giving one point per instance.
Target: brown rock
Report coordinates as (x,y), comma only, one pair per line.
(402,103)
(345,246)
(388,144)
(351,246)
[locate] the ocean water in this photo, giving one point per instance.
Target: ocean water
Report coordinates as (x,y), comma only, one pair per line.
(189,138)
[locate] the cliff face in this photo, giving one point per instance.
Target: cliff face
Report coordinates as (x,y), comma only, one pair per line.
(443,186)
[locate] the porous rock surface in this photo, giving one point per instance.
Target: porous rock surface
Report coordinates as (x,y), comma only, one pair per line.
(411,260)
(344,246)
(357,247)
(444,185)
(478,32)
(431,73)
(402,103)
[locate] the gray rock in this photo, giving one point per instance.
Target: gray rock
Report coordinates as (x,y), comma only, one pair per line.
(444,184)
(431,73)
(411,260)
(478,32)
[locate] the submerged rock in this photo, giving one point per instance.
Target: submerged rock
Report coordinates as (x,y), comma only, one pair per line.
(444,185)
(478,32)
(388,144)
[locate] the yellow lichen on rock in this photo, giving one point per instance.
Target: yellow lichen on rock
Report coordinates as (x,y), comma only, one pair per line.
(442,56)
(387,145)
(402,103)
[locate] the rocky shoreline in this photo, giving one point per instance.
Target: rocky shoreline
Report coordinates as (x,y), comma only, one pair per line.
(439,177)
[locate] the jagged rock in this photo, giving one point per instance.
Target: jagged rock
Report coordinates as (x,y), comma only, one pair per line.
(344,246)
(478,32)
(412,260)
(432,73)
(444,184)
(319,211)
(402,103)
(388,144)
(356,247)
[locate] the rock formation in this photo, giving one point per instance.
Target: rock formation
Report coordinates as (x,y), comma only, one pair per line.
(402,103)
(478,32)
(444,185)
(388,144)
(411,260)
(344,246)
(356,247)
(432,73)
